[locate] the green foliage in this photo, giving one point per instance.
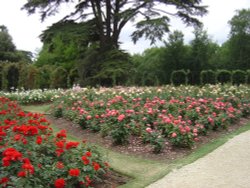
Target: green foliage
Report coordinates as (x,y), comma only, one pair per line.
(239,77)
(224,76)
(58,78)
(73,77)
(104,68)
(8,52)
(239,40)
(115,69)
(179,77)
(248,76)
(7,47)
(149,67)
(155,139)
(11,73)
(29,77)
(43,80)
(208,77)
(176,54)
(202,50)
(110,17)
(64,43)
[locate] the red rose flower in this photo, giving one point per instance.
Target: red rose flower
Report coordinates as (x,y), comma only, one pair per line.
(88,153)
(59,183)
(39,140)
(29,167)
(96,166)
(71,145)
(74,172)
(4,180)
(21,174)
(61,134)
(85,160)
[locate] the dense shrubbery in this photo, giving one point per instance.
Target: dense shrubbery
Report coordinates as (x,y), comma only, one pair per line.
(179,77)
(31,77)
(208,77)
(31,156)
(224,76)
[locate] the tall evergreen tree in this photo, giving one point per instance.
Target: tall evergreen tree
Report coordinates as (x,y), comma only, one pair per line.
(8,51)
(7,47)
(239,41)
(111,16)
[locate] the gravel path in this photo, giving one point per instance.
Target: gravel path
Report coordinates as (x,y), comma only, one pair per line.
(226,167)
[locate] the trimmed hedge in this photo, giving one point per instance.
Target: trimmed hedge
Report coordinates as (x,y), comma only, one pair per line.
(179,77)
(239,77)
(208,77)
(224,76)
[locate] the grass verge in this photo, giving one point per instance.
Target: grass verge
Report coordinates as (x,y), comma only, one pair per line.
(144,172)
(43,108)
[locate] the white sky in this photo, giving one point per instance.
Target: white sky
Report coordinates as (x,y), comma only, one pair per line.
(25,29)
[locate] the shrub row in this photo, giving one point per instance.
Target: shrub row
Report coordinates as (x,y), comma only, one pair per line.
(27,76)
(235,77)
(157,115)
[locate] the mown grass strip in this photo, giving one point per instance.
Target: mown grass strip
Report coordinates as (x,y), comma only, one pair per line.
(142,171)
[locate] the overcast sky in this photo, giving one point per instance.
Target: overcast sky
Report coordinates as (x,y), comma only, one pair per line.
(25,29)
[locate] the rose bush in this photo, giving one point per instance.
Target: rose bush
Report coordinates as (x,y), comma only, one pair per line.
(32,156)
(175,114)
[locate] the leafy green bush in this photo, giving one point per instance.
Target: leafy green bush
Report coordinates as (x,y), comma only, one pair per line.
(224,76)
(239,77)
(59,78)
(179,77)
(208,77)
(73,77)
(44,76)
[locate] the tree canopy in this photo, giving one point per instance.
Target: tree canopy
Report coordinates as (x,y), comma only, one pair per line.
(239,41)
(8,51)
(110,16)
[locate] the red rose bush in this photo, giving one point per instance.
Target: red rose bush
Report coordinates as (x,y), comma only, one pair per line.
(32,156)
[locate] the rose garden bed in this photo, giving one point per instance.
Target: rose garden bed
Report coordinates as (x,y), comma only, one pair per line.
(159,123)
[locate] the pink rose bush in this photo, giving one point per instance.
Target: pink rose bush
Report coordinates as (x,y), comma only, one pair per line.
(179,115)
